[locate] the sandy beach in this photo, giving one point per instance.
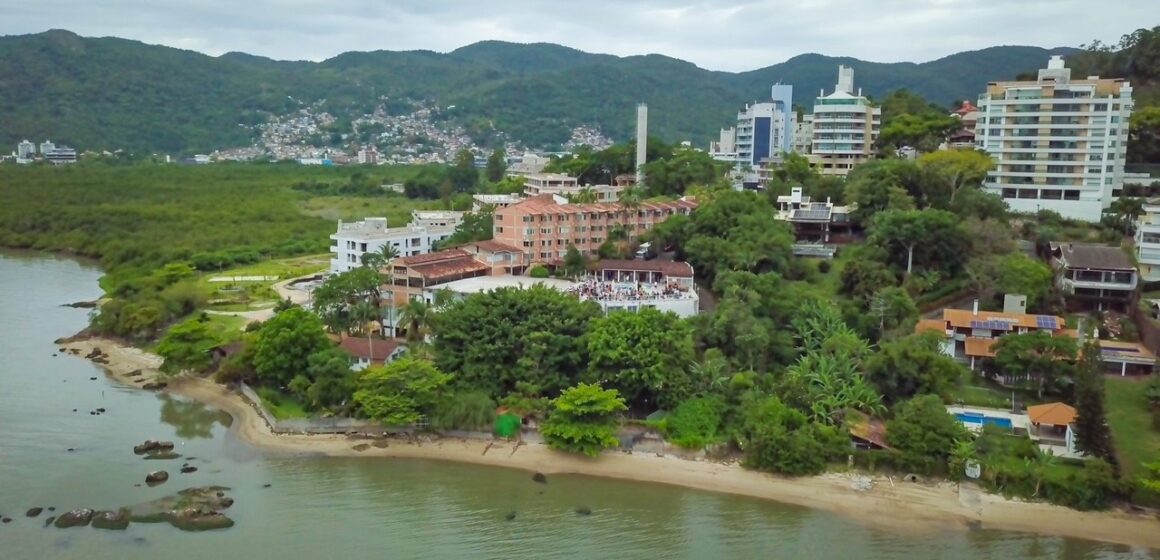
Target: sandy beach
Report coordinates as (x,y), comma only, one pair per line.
(887,503)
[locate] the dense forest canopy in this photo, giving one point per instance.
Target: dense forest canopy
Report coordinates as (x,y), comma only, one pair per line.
(109,93)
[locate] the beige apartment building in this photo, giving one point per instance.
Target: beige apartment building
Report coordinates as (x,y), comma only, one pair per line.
(543,226)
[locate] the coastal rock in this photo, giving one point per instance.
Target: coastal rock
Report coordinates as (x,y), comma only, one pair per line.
(192,509)
(146,447)
(162,456)
(51,508)
(96,352)
(157,386)
(164,445)
(156,477)
(186,469)
(510,516)
(5,520)
(114,520)
(361,447)
(584,510)
(540,478)
(33,512)
(48,521)
(81,305)
(75,518)
(101,410)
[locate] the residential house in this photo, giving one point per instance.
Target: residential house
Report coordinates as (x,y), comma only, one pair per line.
(971,336)
(417,277)
(1094,277)
(544,226)
(813,220)
(366,353)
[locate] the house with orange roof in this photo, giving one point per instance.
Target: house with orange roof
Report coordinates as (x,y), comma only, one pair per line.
(971,336)
(1053,423)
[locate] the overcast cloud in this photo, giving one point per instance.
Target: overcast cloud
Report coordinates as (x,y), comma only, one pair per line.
(728,35)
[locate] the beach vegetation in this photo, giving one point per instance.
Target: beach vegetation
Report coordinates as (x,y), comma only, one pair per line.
(912,365)
(400,393)
(925,433)
(781,439)
(187,346)
(695,423)
(463,410)
(583,419)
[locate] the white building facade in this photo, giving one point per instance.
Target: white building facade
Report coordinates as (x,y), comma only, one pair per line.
(1058,144)
(845,127)
(763,131)
(1148,241)
(353,240)
(25,149)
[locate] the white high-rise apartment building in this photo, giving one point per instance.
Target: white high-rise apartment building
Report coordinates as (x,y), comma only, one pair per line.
(1059,144)
(25,149)
(846,125)
(764,130)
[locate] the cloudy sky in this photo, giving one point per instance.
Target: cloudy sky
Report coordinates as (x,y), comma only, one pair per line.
(717,34)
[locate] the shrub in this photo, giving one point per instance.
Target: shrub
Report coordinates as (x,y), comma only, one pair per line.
(695,423)
(824,267)
(539,272)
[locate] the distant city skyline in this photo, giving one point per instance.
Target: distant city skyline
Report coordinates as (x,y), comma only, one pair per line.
(733,36)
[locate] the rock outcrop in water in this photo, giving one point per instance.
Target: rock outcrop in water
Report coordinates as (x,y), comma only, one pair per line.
(33,512)
(156,477)
(76,518)
(114,520)
(192,509)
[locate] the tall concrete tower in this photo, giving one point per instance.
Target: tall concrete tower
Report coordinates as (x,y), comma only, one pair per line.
(641,140)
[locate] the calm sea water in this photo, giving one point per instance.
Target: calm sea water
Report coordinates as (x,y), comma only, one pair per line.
(320,507)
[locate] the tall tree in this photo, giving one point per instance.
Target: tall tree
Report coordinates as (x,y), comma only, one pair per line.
(285,343)
(1036,359)
(645,355)
(1092,435)
(910,366)
(400,392)
(463,175)
(496,166)
(933,239)
(583,420)
(925,432)
(959,169)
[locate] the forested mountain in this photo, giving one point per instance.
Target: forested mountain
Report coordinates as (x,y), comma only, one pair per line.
(108,93)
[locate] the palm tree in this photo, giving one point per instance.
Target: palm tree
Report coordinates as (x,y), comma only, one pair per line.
(963,452)
(417,316)
(1039,466)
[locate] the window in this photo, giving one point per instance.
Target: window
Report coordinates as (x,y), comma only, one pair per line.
(1051,194)
(1009,193)
(1070,195)
(1028,193)
(498,229)
(1099,106)
(1109,169)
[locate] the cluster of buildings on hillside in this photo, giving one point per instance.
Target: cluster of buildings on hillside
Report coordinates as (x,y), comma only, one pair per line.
(839,134)
(1059,143)
(29,152)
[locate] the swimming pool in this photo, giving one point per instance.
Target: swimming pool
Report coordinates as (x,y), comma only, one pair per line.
(978,420)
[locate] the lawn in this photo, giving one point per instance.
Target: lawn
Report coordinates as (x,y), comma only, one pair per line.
(397,209)
(226,327)
(1136,441)
(246,295)
(283,407)
(974,390)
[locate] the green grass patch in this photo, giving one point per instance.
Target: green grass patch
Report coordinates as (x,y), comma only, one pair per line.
(282,406)
(1136,441)
(250,295)
(226,328)
(975,390)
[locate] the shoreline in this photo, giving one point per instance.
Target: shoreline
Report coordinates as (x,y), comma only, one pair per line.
(889,504)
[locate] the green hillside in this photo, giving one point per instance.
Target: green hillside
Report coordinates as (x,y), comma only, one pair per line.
(109,93)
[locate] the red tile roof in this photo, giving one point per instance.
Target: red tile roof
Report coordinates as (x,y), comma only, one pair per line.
(675,269)
(361,347)
(442,269)
(545,204)
(437,256)
(1055,414)
(493,246)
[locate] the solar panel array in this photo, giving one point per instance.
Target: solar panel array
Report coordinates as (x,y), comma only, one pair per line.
(993,325)
(812,214)
(1046,322)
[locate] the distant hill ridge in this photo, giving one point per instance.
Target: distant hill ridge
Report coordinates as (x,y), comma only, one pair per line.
(108,93)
